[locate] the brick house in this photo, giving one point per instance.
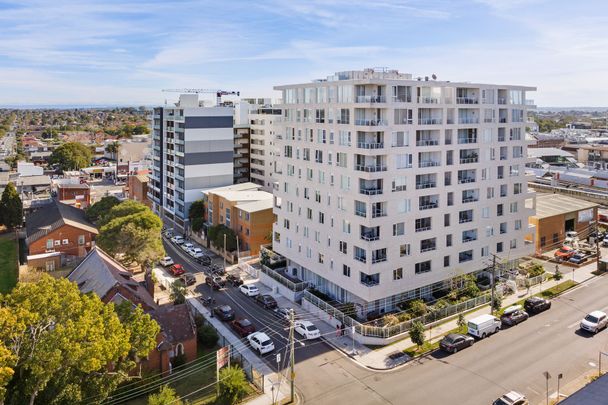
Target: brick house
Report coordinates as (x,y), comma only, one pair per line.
(111,282)
(138,188)
(76,194)
(56,232)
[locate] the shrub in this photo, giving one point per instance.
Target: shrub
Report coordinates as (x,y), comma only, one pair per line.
(536,270)
(165,396)
(207,336)
(442,303)
(404,316)
(417,333)
(390,320)
(418,308)
(232,385)
(178,360)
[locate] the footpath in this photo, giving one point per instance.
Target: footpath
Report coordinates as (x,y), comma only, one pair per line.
(390,356)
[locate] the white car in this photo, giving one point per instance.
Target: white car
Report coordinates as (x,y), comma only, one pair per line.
(605,241)
(187,247)
(166,261)
(195,251)
(594,321)
(511,398)
(177,239)
(250,290)
(307,330)
(260,342)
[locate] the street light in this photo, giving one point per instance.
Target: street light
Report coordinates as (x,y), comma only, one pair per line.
(559,377)
(547,377)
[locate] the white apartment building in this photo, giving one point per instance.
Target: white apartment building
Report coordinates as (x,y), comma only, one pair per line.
(389,186)
(262,147)
(192,148)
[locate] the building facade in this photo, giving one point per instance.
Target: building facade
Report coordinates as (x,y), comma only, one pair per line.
(262,146)
(389,186)
(193,148)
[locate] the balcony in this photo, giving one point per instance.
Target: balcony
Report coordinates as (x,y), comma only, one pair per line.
(463,219)
(370,280)
(468,198)
(370,191)
(379,213)
(379,256)
(502,100)
(465,180)
(361,259)
(423,228)
(469,236)
(371,168)
(428,205)
(370,236)
(429,163)
(427,142)
(361,213)
(370,99)
(467,100)
(371,122)
(430,121)
(468,120)
(426,184)
(464,159)
(370,145)
(428,100)
(428,245)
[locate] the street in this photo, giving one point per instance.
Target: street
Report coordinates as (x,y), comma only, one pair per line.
(514,359)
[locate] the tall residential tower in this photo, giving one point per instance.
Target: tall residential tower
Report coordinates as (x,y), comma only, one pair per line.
(388,186)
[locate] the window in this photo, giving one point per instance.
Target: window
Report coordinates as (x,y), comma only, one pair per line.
(403,161)
(57,243)
(448,240)
(446,261)
(400,139)
(423,267)
(423,224)
(404,250)
(513,244)
(517,224)
(65,242)
(465,256)
(398,229)
(321,218)
(321,258)
(398,274)
(543,241)
(446,220)
(499,247)
(485,251)
(346,270)
(343,247)
(404,206)
(399,183)
(49,243)
(81,240)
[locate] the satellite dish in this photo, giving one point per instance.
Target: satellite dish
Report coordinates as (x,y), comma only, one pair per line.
(434,76)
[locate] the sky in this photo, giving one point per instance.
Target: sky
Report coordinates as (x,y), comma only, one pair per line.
(125,52)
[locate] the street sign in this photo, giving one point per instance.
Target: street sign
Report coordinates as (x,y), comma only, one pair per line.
(547,375)
(223,356)
(278,358)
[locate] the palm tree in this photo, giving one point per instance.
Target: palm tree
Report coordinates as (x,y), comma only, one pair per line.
(113,149)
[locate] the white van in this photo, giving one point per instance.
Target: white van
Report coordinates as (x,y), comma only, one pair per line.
(483,326)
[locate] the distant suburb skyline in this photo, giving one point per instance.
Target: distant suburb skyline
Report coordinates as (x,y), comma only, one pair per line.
(125,52)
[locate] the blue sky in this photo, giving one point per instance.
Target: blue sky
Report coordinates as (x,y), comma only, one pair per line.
(125,52)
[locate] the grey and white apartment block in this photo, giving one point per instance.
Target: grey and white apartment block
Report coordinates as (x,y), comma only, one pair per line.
(193,149)
(389,186)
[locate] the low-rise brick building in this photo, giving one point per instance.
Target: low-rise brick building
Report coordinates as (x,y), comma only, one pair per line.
(138,188)
(75,194)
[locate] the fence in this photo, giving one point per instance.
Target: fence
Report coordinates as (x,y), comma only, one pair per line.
(370,330)
(532,281)
(249,269)
(275,275)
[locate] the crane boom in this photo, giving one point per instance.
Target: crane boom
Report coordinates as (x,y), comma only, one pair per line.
(218,93)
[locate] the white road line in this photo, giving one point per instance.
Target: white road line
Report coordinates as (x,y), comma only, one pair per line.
(574,324)
(534,391)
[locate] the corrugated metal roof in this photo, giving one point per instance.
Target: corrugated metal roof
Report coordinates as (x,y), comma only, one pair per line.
(548,205)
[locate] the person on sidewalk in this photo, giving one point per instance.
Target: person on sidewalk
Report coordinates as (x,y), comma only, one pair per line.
(338,330)
(342,329)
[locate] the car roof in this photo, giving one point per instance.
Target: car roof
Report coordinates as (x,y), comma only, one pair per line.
(305,323)
(226,308)
(261,335)
(177,266)
(167,257)
(453,336)
(511,309)
(597,314)
(535,299)
(513,396)
(244,322)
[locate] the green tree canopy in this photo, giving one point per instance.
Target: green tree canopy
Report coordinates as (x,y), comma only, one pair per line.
(417,333)
(101,207)
(233,384)
(62,343)
(11,207)
(131,232)
(71,156)
(178,292)
(216,235)
(166,396)
(196,214)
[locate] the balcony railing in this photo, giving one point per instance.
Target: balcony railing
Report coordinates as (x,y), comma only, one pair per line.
(502,120)
(402,99)
(428,100)
(378,213)
(360,213)
(428,206)
(370,145)
(465,180)
(370,283)
(488,120)
(370,191)
(370,236)
(426,184)
(469,199)
(423,228)
(379,259)
(430,121)
(469,239)
(361,259)
(471,159)
(371,168)
(464,220)
(427,142)
(371,123)
(468,120)
(472,139)
(428,249)
(429,163)
(502,100)
(370,99)
(466,100)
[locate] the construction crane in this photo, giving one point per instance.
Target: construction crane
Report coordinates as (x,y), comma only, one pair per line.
(218,93)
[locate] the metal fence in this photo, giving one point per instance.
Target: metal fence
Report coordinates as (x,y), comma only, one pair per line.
(275,275)
(370,330)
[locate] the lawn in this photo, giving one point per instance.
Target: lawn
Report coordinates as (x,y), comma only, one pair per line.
(8,263)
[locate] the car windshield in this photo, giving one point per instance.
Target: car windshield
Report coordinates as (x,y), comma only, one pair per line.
(500,402)
(591,318)
(311,328)
(245,323)
(266,342)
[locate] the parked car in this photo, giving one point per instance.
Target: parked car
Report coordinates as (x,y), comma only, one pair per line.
(260,342)
(267,301)
(283,313)
(196,252)
(243,327)
(534,305)
(217,283)
(511,398)
(513,315)
(205,260)
(177,270)
(572,234)
(594,322)
(455,341)
(234,280)
(307,330)
(578,258)
(224,312)
(166,261)
(218,269)
(188,279)
(605,241)
(483,325)
(187,246)
(564,253)
(177,239)
(250,290)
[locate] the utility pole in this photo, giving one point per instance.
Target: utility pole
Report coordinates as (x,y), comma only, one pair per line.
(597,247)
(224,251)
(292,357)
(493,283)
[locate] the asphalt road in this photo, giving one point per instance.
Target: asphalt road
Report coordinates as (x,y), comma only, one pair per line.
(513,359)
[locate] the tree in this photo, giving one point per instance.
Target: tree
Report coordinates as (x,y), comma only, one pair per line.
(142,328)
(497,303)
(470,286)
(130,232)
(417,333)
(558,275)
(113,149)
(196,215)
(418,307)
(71,156)
(11,207)
(462,323)
(64,343)
(216,235)
(233,384)
(178,292)
(207,336)
(165,396)
(101,207)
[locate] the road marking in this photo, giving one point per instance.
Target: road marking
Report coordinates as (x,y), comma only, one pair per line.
(592,364)
(574,324)
(534,391)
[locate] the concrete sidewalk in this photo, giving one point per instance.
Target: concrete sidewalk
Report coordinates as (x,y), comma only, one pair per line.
(388,357)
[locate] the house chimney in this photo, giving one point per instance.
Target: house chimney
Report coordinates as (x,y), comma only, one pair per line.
(148,280)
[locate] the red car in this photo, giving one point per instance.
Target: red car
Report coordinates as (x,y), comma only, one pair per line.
(243,327)
(177,270)
(565,253)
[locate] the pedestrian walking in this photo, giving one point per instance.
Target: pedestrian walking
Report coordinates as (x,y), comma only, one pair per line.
(338,330)
(342,329)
